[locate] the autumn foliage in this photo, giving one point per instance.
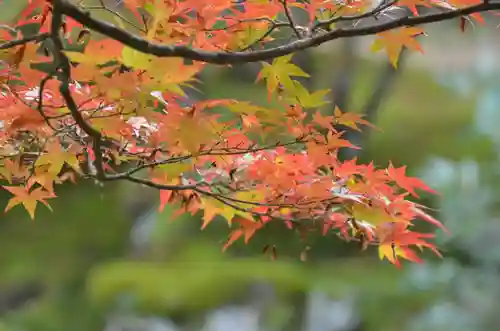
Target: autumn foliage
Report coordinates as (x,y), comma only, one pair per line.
(87,99)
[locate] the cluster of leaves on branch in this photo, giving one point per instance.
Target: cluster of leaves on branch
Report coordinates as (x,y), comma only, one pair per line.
(83,98)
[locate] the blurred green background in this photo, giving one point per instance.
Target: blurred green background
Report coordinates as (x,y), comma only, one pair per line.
(105,260)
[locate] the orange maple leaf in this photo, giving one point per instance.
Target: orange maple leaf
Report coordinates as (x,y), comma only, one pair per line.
(247,229)
(393,42)
(395,238)
(350,119)
(398,175)
(28,198)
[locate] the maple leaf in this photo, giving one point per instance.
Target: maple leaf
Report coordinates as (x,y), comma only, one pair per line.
(170,73)
(455,4)
(113,126)
(395,239)
(325,122)
(412,4)
(22,117)
(247,229)
(408,183)
(213,207)
(250,35)
(166,196)
(44,178)
(97,52)
(263,114)
(56,156)
(426,217)
(160,11)
(299,94)
(28,198)
(371,215)
(250,121)
(192,142)
(9,168)
(279,72)
(135,59)
(391,252)
(350,119)
(333,141)
(393,42)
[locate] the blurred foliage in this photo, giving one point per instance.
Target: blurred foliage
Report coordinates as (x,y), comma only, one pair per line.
(58,248)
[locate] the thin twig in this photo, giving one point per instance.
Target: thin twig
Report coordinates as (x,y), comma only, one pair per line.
(289,16)
(18,42)
(325,24)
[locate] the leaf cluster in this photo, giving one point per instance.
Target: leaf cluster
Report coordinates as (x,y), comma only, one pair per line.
(85,98)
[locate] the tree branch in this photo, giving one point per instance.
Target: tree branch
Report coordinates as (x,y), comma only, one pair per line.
(325,24)
(144,46)
(17,42)
(64,67)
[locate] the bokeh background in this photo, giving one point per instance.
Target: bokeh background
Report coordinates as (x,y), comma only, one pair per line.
(106,260)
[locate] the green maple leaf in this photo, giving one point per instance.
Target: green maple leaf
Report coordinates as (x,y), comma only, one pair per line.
(306,99)
(280,71)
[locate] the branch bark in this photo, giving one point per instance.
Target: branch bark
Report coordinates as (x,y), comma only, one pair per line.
(144,46)
(18,42)
(64,68)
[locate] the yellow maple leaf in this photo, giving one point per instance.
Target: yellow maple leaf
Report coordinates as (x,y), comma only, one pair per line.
(249,35)
(372,215)
(135,59)
(29,199)
(250,196)
(160,11)
(192,142)
(213,207)
(97,52)
(9,168)
(392,252)
(56,157)
(170,74)
(44,178)
(393,42)
(265,115)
